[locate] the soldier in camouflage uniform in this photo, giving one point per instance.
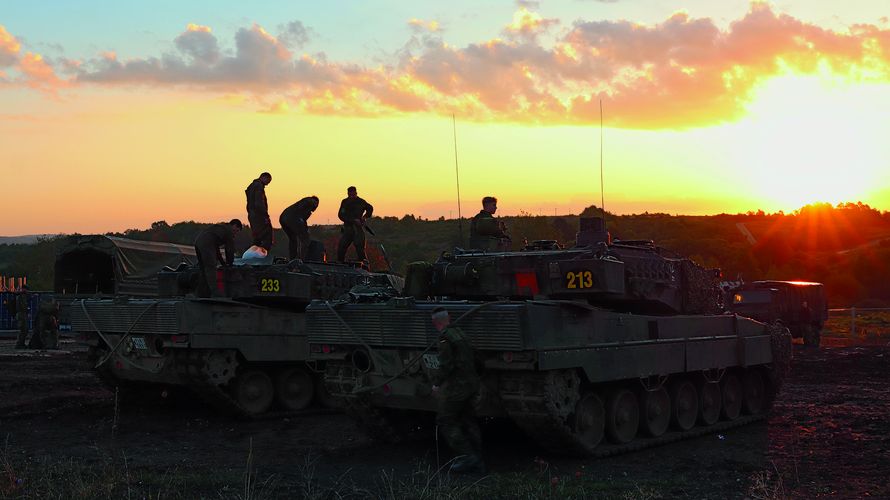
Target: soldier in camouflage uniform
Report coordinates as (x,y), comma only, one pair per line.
(486,232)
(258,212)
(294,222)
(353,212)
(207,251)
(46,326)
(21,313)
(457,385)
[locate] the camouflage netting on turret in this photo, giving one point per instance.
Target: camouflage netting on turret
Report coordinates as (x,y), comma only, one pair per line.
(701,289)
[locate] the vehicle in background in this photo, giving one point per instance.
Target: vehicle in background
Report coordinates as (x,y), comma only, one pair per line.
(800,306)
(107,266)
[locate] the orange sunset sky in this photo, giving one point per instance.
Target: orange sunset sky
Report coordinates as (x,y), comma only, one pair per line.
(114,115)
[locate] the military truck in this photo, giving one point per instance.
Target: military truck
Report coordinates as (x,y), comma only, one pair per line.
(603,347)
(246,353)
(799,305)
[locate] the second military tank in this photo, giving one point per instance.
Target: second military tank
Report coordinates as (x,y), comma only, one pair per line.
(246,353)
(602,347)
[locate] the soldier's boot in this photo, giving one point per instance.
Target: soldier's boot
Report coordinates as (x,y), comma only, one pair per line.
(20,341)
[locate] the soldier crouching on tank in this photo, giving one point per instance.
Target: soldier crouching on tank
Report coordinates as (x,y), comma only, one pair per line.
(486,232)
(207,250)
(456,385)
(293,221)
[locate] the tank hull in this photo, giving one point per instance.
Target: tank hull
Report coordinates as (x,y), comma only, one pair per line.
(203,345)
(544,363)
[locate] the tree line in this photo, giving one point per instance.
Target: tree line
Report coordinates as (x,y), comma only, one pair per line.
(846,246)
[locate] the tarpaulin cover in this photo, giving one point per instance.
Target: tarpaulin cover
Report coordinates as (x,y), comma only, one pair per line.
(113,265)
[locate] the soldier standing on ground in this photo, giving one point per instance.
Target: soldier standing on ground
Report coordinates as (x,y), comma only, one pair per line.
(46,326)
(21,314)
(457,385)
(207,250)
(486,232)
(293,221)
(258,211)
(353,212)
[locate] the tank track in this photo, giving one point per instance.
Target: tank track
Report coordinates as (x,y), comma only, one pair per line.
(192,369)
(528,400)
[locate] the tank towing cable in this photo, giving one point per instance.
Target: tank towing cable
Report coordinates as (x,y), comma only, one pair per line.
(416,358)
(126,335)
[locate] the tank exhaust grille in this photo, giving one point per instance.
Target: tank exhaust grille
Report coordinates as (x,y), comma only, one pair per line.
(110,317)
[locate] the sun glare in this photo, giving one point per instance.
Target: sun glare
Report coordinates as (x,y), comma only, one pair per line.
(813,138)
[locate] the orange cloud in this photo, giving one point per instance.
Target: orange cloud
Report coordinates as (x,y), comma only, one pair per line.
(32,70)
(681,72)
(421,25)
(9,48)
(197,27)
(528,24)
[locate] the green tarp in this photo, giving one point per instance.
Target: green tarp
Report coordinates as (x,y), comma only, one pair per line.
(112,265)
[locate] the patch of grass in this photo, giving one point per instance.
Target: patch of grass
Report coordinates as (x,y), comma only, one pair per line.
(767,485)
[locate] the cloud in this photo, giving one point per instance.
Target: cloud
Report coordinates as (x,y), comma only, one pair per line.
(30,69)
(680,72)
(198,43)
(421,26)
(528,24)
(293,35)
(9,48)
(260,61)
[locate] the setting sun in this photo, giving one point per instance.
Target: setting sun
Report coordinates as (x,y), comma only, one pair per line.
(812,138)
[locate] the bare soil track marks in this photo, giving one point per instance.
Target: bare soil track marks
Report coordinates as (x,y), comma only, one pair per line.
(828,435)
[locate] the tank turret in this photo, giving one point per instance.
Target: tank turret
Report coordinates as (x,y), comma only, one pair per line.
(267,282)
(628,276)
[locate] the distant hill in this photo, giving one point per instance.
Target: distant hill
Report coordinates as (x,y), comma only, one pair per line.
(24,239)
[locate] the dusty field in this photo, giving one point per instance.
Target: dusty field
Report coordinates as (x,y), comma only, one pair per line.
(828,435)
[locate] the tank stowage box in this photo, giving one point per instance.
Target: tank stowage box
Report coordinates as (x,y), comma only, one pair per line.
(590,349)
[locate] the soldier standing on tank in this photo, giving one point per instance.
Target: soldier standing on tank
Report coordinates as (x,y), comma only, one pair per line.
(258,211)
(486,232)
(21,314)
(207,250)
(457,385)
(293,221)
(353,212)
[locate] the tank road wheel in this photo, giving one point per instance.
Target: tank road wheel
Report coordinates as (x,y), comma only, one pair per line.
(709,403)
(253,391)
(754,400)
(590,420)
(731,390)
(684,405)
(622,416)
(294,389)
(655,412)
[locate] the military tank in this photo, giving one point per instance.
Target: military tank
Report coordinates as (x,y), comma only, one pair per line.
(245,353)
(602,347)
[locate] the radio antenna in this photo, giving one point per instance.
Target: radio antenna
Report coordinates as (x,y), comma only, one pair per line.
(460,221)
(602,188)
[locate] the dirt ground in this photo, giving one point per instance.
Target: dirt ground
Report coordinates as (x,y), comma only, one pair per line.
(828,435)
